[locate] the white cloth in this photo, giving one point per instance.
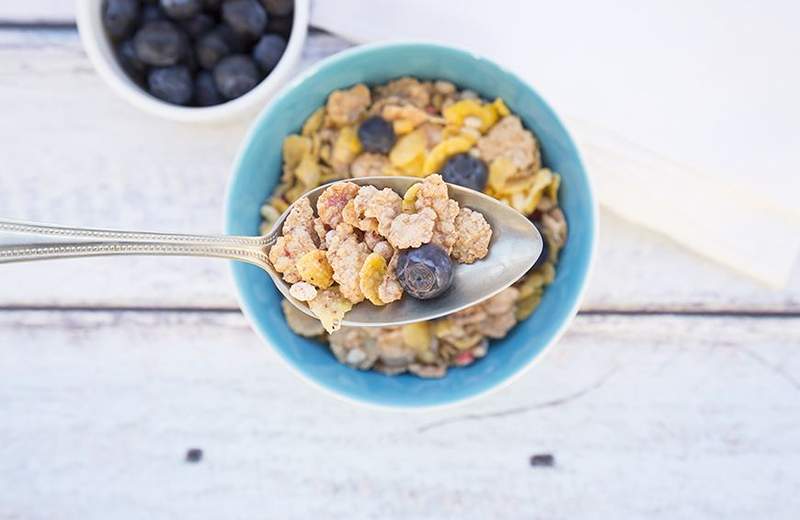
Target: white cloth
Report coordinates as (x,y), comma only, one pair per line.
(704,84)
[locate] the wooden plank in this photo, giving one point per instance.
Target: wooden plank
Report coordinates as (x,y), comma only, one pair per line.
(37,11)
(646,417)
(77,154)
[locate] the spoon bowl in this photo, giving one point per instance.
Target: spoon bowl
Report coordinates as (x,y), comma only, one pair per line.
(515,246)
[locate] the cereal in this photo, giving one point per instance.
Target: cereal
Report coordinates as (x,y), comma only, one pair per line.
(369,165)
(370,277)
(296,241)
(409,114)
(385,249)
(314,122)
(510,140)
(354,347)
(409,150)
(417,336)
(390,289)
(433,194)
(303,291)
(427,371)
(345,107)
(330,307)
(410,199)
(412,229)
(473,235)
(301,323)
(363,233)
(346,254)
(374,209)
(392,352)
(333,200)
(481,116)
(443,151)
(500,171)
(407,89)
(313,267)
(345,149)
(554,227)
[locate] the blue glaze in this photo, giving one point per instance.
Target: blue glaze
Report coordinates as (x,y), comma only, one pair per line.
(257,170)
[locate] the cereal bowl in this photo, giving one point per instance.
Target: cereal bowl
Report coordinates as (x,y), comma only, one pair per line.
(257,170)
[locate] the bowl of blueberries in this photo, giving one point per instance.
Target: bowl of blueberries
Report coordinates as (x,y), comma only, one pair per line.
(194,60)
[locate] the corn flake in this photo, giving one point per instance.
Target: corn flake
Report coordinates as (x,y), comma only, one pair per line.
(408,148)
(417,336)
(347,146)
(500,171)
(314,122)
(526,306)
(444,150)
(371,275)
(314,268)
(330,307)
(410,198)
(501,108)
(308,172)
(458,112)
(295,147)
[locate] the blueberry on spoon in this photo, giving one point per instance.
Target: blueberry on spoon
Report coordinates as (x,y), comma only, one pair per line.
(425,272)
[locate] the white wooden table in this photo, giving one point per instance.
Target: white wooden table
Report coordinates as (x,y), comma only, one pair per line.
(675,394)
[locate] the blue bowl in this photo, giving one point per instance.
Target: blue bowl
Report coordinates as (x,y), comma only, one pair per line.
(257,170)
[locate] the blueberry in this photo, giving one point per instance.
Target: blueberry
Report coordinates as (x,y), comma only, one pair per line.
(236,75)
(465,170)
(212,6)
(280,25)
(172,84)
(376,135)
(268,51)
(212,47)
(160,43)
(240,43)
(245,17)
(205,90)
(131,63)
(179,9)
(198,24)
(425,272)
(278,7)
(190,60)
(151,13)
(120,17)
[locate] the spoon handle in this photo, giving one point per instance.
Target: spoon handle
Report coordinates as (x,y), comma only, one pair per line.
(25,241)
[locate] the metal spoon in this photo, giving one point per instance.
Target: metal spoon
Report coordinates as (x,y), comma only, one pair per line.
(515,246)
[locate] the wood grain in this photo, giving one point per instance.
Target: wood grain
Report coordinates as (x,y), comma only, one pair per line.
(105,405)
(38,11)
(77,154)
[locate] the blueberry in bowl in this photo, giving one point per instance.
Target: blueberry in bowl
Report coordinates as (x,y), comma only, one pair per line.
(137,45)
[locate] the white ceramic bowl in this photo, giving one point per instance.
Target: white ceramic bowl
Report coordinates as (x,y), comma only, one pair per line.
(98,47)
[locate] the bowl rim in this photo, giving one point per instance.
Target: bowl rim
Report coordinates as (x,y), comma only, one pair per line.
(335,60)
(92,37)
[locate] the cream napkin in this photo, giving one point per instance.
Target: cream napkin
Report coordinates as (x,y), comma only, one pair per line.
(658,75)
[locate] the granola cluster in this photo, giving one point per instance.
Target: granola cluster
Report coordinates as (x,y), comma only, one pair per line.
(432,121)
(348,252)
